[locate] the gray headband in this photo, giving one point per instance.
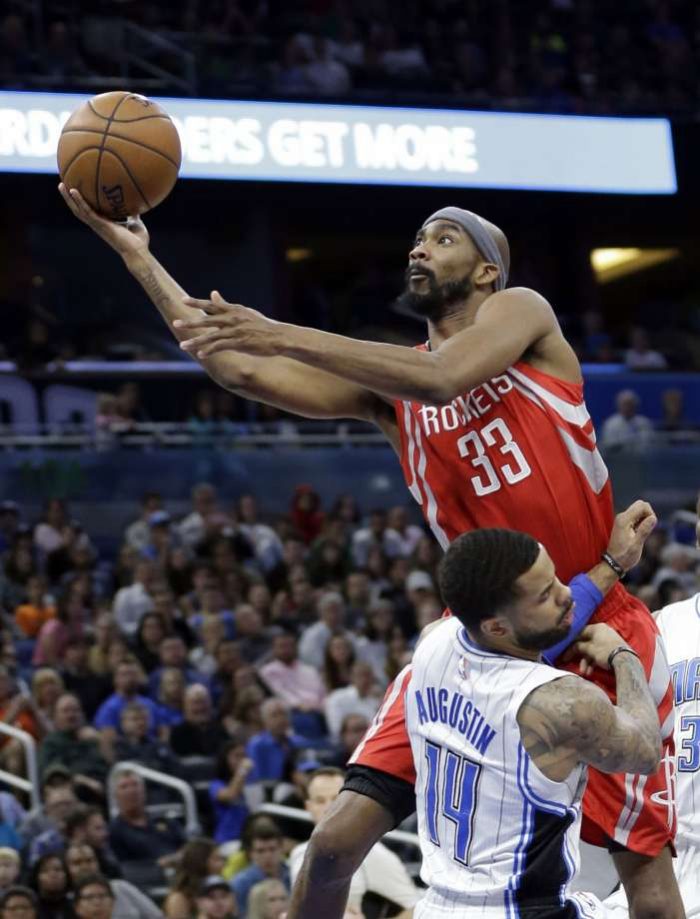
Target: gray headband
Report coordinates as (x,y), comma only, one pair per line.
(473,225)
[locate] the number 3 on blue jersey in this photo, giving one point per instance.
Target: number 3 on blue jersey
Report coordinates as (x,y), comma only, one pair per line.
(689,759)
(451,787)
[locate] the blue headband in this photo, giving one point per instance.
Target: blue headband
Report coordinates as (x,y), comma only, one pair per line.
(473,225)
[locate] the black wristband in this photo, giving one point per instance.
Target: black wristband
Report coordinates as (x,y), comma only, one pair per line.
(614,564)
(620,648)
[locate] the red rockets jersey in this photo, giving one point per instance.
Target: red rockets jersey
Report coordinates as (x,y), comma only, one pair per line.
(517,452)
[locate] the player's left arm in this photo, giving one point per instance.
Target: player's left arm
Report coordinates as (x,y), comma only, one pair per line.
(509,324)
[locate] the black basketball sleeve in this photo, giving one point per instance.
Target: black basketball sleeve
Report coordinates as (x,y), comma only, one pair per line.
(395,795)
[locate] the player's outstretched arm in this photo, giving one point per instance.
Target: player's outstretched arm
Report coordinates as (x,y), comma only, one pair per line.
(337,848)
(571,720)
(279,381)
(508,325)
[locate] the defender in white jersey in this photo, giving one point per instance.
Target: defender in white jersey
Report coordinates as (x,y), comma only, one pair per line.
(500,740)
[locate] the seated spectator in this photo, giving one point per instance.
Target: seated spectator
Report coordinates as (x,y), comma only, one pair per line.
(37,820)
(48,878)
(381,873)
(134,836)
(74,746)
(47,686)
(402,535)
(213,606)
(135,744)
(226,791)
(137,534)
(338,661)
(149,635)
(266,855)
(88,825)
(298,684)
(331,621)
(640,356)
(92,690)
(272,750)
(203,658)
(18,903)
(18,567)
(192,528)
(94,899)
(254,640)
(264,540)
(268,900)
(129,901)
(199,733)
(57,633)
(244,716)
(10,865)
(161,538)
(171,691)
(49,531)
(362,697)
(46,834)
(173,653)
(674,424)
(131,603)
(216,900)
(127,679)
(626,429)
(352,730)
(105,633)
(31,615)
(374,536)
(16,708)
(198,858)
(372,645)
(228,661)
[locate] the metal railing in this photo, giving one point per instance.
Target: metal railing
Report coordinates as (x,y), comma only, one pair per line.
(192,824)
(30,785)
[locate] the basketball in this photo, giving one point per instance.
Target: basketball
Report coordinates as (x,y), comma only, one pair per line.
(122,152)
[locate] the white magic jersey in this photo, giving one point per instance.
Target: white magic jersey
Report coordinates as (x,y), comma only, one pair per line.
(497,836)
(679,625)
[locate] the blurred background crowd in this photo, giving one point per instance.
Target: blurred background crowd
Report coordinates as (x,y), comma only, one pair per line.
(242,652)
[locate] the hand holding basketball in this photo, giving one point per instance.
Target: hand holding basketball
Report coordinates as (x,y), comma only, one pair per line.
(125,238)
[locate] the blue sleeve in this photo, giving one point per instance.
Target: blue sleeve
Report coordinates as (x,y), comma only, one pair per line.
(105,716)
(587,598)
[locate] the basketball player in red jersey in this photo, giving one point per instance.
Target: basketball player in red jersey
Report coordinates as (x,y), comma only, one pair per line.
(490,425)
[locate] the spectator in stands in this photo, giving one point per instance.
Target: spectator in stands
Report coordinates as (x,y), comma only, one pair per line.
(47,686)
(306,513)
(10,865)
(129,901)
(226,790)
(173,654)
(331,621)
(358,597)
(18,903)
(203,657)
(199,733)
(192,529)
(16,708)
(138,533)
(94,898)
(127,679)
(338,661)
(640,356)
(69,623)
(216,900)
(679,564)
(674,424)
(372,645)
(266,544)
(134,836)
(171,691)
(135,744)
(105,632)
(352,730)
(254,640)
(402,535)
(48,878)
(626,429)
(149,635)
(37,610)
(77,677)
(213,606)
(266,855)
(381,873)
(49,531)
(18,568)
(327,75)
(131,603)
(44,833)
(268,900)
(298,684)
(161,539)
(272,750)
(243,713)
(373,536)
(10,523)
(362,697)
(73,746)
(164,604)
(198,858)
(88,825)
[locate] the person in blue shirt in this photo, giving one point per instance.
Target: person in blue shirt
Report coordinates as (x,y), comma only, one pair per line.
(266,856)
(226,790)
(272,750)
(127,679)
(173,653)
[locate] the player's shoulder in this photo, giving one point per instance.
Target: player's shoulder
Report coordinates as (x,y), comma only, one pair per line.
(519,297)
(668,618)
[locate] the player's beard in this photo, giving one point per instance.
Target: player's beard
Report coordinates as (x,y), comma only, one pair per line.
(437,301)
(530,640)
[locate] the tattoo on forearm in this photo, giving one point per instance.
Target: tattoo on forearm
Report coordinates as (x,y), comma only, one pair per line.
(150,283)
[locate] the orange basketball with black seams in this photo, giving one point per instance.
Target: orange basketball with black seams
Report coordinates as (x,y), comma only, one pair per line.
(122,152)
